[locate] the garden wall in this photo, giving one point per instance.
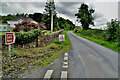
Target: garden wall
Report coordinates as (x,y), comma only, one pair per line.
(42,40)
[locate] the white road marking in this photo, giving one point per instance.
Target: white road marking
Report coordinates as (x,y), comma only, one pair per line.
(48,74)
(65,63)
(64,74)
(66,58)
(65,66)
(66,54)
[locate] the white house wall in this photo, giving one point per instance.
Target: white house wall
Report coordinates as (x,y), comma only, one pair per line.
(12,23)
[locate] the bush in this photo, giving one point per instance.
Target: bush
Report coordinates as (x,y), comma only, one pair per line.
(27,37)
(53,46)
(77,30)
(57,41)
(111,34)
(113,30)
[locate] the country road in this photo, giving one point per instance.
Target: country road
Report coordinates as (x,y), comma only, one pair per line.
(85,59)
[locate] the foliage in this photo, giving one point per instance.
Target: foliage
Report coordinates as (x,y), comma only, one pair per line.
(66,42)
(53,46)
(65,24)
(48,10)
(113,30)
(25,25)
(38,17)
(77,30)
(109,38)
(14,53)
(112,45)
(111,34)
(9,17)
(59,22)
(47,31)
(84,16)
(43,56)
(27,37)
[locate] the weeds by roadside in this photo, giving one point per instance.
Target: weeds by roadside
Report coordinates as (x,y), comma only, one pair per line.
(26,59)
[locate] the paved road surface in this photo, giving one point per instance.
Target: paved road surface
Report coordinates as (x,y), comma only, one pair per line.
(86,59)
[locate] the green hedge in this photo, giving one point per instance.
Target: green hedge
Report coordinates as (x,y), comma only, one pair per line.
(27,37)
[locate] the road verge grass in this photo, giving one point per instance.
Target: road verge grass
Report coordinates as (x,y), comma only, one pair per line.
(110,45)
(64,45)
(33,58)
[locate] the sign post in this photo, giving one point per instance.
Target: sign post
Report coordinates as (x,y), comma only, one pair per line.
(61,37)
(10,50)
(9,39)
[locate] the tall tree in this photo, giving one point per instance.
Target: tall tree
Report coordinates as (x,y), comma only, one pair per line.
(37,17)
(48,9)
(84,16)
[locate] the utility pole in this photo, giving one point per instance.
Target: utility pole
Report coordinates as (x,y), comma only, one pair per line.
(52,15)
(119,10)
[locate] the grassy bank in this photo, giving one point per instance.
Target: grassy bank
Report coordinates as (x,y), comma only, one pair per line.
(111,45)
(2,33)
(33,58)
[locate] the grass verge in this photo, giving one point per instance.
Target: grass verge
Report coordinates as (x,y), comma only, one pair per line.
(2,33)
(110,45)
(33,57)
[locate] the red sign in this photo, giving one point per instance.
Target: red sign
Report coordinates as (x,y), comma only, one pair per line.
(61,37)
(9,37)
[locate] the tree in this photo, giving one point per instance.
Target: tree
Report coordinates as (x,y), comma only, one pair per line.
(65,24)
(48,14)
(84,16)
(38,17)
(113,30)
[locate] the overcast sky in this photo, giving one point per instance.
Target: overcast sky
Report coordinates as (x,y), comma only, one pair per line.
(104,10)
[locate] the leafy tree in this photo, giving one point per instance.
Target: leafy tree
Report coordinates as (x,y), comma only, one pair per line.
(65,24)
(47,12)
(38,17)
(84,16)
(71,25)
(113,30)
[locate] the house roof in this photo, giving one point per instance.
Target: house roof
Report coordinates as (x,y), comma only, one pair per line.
(21,17)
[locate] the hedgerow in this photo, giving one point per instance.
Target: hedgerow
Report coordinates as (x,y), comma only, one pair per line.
(27,37)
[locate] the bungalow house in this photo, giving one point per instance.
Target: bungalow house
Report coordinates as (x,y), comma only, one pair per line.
(17,20)
(24,23)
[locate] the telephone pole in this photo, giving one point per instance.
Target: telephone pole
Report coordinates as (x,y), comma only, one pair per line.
(52,15)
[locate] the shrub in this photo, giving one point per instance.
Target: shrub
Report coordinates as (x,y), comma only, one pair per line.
(53,46)
(77,30)
(57,41)
(113,30)
(27,37)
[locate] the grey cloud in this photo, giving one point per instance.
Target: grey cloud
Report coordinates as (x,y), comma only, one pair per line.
(20,7)
(67,8)
(97,15)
